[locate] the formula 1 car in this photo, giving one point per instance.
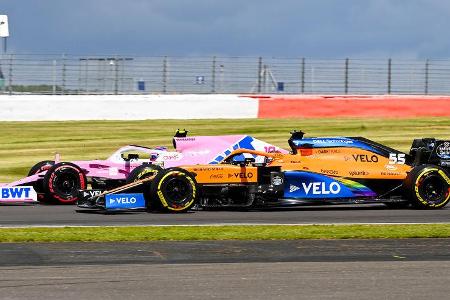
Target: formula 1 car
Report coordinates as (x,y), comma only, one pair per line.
(59,182)
(327,170)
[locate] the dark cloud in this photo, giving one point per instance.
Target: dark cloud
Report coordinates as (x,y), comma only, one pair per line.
(285,28)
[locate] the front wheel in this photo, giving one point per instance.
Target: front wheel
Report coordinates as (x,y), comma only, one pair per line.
(428,187)
(62,182)
(38,184)
(139,173)
(41,167)
(173,190)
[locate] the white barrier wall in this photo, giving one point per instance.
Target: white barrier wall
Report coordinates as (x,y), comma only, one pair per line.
(124,107)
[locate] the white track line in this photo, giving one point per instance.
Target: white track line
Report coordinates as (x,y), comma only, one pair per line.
(215,225)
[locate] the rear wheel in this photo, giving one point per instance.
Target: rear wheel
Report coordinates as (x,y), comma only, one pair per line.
(173,190)
(62,182)
(428,187)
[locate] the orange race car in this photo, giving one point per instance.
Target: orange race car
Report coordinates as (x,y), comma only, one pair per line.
(325,170)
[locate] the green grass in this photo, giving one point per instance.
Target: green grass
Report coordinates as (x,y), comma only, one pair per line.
(22,144)
(257,232)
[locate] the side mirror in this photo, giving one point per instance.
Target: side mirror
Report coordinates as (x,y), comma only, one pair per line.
(129,156)
(249,160)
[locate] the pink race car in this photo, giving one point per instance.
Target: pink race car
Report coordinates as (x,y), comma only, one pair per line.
(59,182)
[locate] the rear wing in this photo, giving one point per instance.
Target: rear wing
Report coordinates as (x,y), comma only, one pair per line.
(179,134)
(432,151)
(295,135)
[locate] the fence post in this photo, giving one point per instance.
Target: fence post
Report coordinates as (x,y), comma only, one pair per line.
(213,76)
(63,75)
(54,77)
(260,71)
(164,75)
(346,76)
(10,75)
(302,80)
(116,76)
(427,67)
(389,79)
(264,78)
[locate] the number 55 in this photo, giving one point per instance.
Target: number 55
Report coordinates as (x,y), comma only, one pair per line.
(396,158)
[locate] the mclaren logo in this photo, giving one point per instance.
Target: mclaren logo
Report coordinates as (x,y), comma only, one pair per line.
(293,188)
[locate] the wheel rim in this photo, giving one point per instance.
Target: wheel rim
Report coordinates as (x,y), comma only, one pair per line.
(66,184)
(433,189)
(178,191)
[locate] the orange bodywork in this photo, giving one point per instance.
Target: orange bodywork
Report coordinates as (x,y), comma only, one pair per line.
(343,162)
(223,173)
(337,162)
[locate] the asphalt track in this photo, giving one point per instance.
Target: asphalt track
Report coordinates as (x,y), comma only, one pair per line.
(48,215)
(303,269)
(299,269)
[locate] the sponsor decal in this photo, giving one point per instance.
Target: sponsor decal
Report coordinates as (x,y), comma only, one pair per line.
(391,167)
(19,193)
(328,151)
(316,186)
(358,173)
(321,188)
(270,149)
(365,158)
(124,201)
(443,150)
(293,188)
(333,141)
(209,169)
(329,172)
(172,156)
(241,175)
(216,176)
(190,139)
(91,193)
(388,173)
(347,158)
(277,180)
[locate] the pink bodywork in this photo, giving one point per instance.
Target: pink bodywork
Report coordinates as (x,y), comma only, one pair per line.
(189,151)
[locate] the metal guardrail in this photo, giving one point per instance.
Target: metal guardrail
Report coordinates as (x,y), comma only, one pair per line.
(115,74)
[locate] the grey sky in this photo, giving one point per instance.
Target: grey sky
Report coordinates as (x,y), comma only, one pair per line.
(283,28)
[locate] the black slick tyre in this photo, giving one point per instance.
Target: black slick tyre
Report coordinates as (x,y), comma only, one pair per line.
(141,172)
(41,167)
(62,182)
(173,190)
(427,187)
